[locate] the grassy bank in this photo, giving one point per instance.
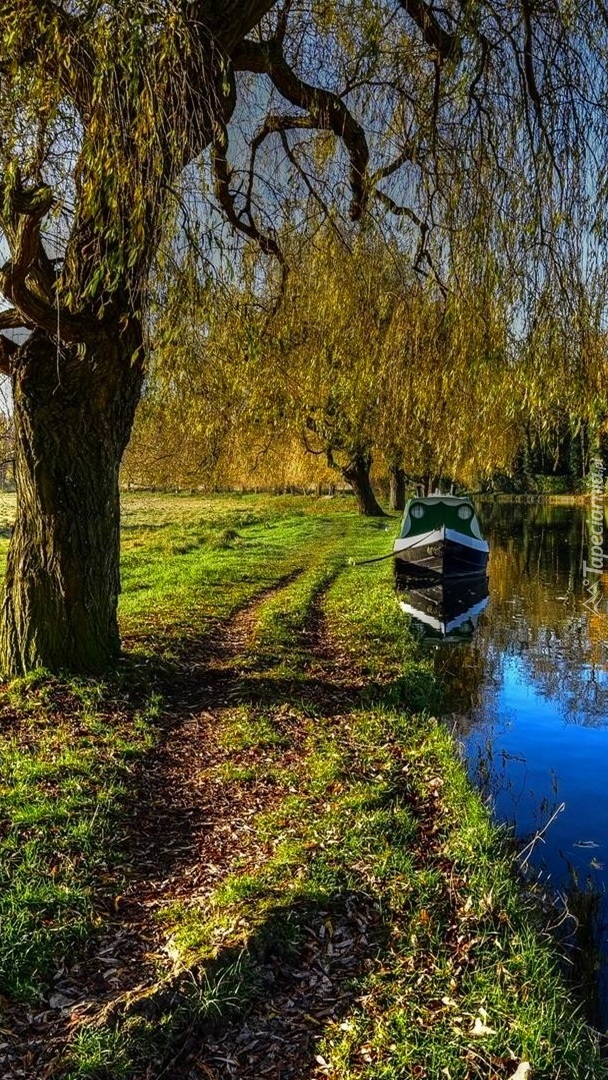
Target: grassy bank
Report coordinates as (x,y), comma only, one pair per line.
(359,917)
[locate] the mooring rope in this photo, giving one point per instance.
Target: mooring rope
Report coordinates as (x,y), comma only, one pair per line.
(366,562)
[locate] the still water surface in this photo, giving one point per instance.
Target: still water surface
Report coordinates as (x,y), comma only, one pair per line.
(528,692)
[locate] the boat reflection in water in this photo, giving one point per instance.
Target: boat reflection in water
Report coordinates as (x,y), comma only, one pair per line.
(444,610)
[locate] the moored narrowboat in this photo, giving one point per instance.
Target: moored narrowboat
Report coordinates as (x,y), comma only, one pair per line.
(440,537)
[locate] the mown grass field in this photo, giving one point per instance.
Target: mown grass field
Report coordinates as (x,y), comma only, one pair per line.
(343,908)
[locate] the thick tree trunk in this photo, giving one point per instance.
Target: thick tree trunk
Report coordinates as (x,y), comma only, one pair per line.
(356,473)
(397,488)
(73,417)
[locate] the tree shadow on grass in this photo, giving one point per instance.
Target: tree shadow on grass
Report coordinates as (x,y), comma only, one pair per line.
(170,817)
(177,837)
(183,672)
(259,1008)
(182,832)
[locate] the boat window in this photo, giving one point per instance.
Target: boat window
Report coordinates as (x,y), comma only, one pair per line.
(465,512)
(417,510)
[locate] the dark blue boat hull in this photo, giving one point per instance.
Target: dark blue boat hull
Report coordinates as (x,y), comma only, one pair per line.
(442,559)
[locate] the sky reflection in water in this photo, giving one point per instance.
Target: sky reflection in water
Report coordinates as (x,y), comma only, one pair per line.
(529,695)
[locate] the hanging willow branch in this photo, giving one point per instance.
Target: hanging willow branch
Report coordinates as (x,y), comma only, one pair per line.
(152,87)
(225,197)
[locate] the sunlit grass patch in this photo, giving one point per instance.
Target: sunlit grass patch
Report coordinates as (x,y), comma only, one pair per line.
(277,642)
(458,988)
(372,635)
(64,778)
(206,564)
(245,728)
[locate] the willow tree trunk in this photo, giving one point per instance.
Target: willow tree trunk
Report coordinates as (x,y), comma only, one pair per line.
(397,488)
(356,473)
(73,413)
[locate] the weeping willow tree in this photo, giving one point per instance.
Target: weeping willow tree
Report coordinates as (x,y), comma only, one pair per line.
(107,109)
(364,360)
(326,345)
(562,381)
(376,360)
(446,381)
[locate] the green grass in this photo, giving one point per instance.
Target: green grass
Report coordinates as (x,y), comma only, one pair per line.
(370,809)
(65,764)
(187,562)
(68,747)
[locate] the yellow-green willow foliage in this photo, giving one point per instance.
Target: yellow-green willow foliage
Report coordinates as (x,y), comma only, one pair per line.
(356,361)
(327,342)
(363,359)
(445,372)
(214,413)
(563,365)
(382,362)
(243,393)
(198,393)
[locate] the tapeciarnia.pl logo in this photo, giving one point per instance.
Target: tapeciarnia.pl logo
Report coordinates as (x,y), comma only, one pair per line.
(593,570)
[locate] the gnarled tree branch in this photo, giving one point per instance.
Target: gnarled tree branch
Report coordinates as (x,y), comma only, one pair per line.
(273,124)
(392,167)
(325,110)
(221,170)
(434,34)
(11,319)
(24,279)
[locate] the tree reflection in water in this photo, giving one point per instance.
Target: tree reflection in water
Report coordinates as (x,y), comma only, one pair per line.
(528,695)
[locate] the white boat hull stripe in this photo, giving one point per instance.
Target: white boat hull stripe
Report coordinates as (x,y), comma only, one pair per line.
(435,537)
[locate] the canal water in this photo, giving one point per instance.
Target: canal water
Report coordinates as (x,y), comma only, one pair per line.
(527,686)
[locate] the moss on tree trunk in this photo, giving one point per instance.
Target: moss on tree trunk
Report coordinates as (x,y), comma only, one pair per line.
(73,417)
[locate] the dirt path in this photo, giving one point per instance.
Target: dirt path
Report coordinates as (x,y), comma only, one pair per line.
(278,1039)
